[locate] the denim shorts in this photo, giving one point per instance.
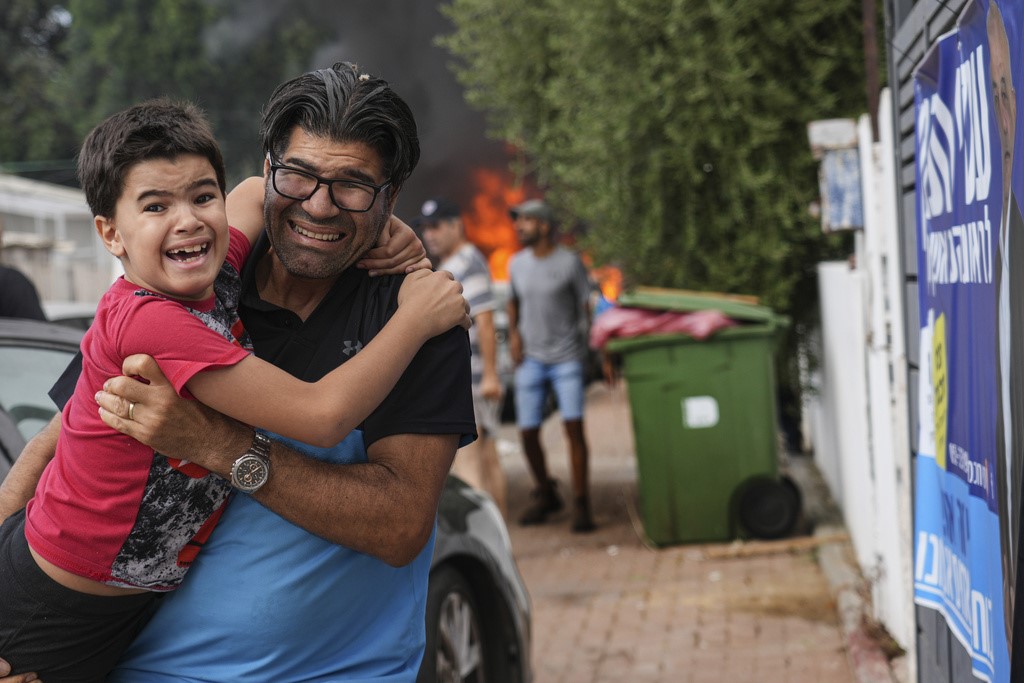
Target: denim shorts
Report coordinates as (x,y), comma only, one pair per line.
(532,380)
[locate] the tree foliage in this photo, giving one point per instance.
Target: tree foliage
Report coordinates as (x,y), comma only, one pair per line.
(674,129)
(72,64)
(120,52)
(31,127)
(213,53)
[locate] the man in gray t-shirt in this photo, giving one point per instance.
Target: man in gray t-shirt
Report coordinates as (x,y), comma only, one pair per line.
(548,315)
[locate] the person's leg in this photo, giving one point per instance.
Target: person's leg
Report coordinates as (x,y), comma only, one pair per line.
(535,457)
(582,519)
(568,382)
(531,382)
(477,464)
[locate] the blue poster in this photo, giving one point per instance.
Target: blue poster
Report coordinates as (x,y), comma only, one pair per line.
(970,439)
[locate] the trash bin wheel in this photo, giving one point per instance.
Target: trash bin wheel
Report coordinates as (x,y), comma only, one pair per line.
(769,508)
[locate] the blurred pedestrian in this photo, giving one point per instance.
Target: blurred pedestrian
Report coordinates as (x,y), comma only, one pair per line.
(445,238)
(549,312)
(18,296)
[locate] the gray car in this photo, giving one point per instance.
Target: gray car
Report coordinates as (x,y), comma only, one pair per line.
(478,610)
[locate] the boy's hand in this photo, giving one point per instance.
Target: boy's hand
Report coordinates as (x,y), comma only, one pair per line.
(435,299)
(5,669)
(397,251)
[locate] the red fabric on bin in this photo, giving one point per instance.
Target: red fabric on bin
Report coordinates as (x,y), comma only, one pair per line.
(634,322)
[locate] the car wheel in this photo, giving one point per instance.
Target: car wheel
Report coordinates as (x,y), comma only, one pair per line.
(455,648)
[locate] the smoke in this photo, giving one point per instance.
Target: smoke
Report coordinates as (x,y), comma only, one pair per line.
(393,39)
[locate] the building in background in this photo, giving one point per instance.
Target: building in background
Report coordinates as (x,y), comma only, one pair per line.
(48,234)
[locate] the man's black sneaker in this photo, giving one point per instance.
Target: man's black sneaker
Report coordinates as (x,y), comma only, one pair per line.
(545,502)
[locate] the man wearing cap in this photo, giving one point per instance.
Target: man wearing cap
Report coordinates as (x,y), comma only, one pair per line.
(445,239)
(548,316)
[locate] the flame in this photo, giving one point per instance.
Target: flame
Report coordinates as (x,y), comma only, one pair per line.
(487,222)
(609,279)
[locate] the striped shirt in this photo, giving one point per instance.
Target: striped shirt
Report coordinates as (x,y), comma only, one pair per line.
(469,267)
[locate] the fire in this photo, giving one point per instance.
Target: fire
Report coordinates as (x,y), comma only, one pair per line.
(487,222)
(609,279)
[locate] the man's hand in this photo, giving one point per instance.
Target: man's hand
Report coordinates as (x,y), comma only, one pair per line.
(609,368)
(398,250)
(161,419)
(490,386)
(5,669)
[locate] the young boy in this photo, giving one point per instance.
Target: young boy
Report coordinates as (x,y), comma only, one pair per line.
(113,524)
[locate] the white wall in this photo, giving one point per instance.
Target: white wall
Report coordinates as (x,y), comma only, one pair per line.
(48,234)
(860,419)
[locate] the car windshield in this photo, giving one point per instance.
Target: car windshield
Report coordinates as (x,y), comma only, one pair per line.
(28,373)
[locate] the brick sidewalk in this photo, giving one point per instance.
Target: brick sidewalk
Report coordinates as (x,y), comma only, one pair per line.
(607,607)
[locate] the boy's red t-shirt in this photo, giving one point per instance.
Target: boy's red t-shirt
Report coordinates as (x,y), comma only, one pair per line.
(108,507)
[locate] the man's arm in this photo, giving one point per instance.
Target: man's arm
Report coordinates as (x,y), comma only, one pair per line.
(515,340)
(384,508)
(20,484)
(490,384)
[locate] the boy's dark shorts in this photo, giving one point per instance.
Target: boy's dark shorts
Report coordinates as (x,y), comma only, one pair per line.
(61,634)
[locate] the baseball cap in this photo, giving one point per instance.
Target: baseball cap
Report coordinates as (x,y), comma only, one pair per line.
(437,209)
(533,208)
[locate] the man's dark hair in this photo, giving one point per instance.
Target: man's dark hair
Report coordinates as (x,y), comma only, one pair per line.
(343,105)
(155,129)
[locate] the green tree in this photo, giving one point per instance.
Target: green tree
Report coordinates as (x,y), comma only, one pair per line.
(120,52)
(674,129)
(249,59)
(211,52)
(31,33)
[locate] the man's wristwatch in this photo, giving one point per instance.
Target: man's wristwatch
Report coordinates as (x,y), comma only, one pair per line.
(252,469)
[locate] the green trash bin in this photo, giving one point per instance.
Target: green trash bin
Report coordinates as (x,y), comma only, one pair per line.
(704,423)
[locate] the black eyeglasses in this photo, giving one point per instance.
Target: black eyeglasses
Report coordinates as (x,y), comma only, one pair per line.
(349,195)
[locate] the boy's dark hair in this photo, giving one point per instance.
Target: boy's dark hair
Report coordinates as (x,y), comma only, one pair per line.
(155,129)
(344,105)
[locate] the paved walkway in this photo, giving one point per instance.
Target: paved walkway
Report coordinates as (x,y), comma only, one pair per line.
(608,607)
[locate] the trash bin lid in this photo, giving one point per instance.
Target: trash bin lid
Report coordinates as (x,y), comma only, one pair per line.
(684,300)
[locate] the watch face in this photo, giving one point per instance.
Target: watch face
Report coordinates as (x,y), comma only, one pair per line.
(250,473)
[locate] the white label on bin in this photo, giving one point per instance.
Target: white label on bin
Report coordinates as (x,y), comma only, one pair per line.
(700,412)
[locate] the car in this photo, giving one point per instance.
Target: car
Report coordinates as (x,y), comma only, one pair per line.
(77,314)
(478,609)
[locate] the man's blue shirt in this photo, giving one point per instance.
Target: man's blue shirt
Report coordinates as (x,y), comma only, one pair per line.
(265,601)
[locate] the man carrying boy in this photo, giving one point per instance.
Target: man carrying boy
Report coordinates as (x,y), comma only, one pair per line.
(334,584)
